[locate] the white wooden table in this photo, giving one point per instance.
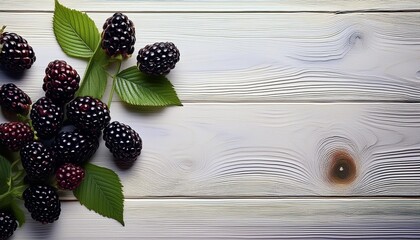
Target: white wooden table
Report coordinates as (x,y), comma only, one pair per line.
(272,92)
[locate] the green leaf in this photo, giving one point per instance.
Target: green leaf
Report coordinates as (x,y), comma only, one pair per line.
(137,88)
(101,191)
(18,213)
(95,78)
(75,31)
(5,175)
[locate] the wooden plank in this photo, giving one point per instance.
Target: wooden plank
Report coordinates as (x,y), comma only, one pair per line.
(218,6)
(264,57)
(239,219)
(271,150)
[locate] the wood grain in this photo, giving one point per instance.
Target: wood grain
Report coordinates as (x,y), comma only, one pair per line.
(218,6)
(239,219)
(254,57)
(271,150)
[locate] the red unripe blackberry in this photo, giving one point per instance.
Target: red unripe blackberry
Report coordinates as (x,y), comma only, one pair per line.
(123,142)
(8,225)
(47,117)
(38,161)
(118,36)
(69,176)
(15,135)
(89,114)
(158,58)
(74,147)
(42,202)
(13,99)
(61,82)
(16,54)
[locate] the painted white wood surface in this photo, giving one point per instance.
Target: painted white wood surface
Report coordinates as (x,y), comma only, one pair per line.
(239,219)
(250,57)
(265,55)
(217,5)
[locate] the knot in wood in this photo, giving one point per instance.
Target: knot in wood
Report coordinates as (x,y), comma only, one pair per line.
(341,168)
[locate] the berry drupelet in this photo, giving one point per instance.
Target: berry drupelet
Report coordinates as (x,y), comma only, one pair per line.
(15,135)
(123,142)
(13,99)
(118,36)
(47,117)
(88,114)
(158,58)
(42,202)
(38,161)
(61,82)
(16,54)
(69,176)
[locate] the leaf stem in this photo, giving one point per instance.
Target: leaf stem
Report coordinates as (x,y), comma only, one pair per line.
(114,80)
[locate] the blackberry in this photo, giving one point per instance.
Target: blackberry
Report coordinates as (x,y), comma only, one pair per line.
(158,58)
(37,161)
(15,135)
(47,117)
(16,54)
(74,147)
(42,202)
(61,82)
(13,99)
(123,142)
(69,176)
(118,36)
(8,225)
(89,114)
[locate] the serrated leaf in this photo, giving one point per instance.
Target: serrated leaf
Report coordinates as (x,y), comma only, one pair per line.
(101,191)
(18,213)
(75,31)
(5,175)
(95,77)
(137,88)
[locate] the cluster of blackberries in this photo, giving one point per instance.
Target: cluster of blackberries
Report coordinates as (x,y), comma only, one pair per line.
(50,153)
(118,38)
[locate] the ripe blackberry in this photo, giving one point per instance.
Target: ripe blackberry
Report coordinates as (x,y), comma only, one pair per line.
(47,117)
(158,58)
(42,202)
(13,99)
(74,147)
(15,53)
(118,36)
(69,176)
(123,142)
(89,114)
(61,82)
(15,135)
(37,161)
(8,225)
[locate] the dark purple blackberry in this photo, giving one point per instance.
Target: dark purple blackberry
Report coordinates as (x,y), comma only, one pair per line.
(89,114)
(123,142)
(158,58)
(118,36)
(15,53)
(42,202)
(8,225)
(15,135)
(61,82)
(13,99)
(69,176)
(74,147)
(47,117)
(37,161)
